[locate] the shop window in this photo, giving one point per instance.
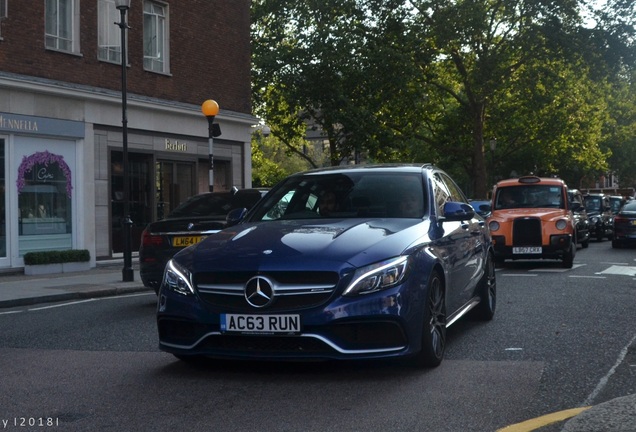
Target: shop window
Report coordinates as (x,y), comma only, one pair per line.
(44,202)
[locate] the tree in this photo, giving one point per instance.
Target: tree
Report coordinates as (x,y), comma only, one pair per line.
(436,80)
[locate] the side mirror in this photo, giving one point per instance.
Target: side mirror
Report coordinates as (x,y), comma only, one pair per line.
(235,216)
(457,211)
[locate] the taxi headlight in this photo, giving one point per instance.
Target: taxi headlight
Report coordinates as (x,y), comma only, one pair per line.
(378,276)
(177,278)
(561,224)
(493,225)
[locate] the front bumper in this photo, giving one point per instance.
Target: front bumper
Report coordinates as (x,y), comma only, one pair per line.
(558,247)
(379,325)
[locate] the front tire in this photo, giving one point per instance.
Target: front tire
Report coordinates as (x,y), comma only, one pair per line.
(568,258)
(586,242)
(434,329)
(487,291)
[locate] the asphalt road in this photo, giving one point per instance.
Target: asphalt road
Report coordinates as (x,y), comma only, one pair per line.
(561,339)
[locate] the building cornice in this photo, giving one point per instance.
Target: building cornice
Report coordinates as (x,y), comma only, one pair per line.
(102,95)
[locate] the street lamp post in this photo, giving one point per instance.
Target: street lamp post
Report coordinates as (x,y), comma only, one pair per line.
(493,146)
(128,274)
(210,109)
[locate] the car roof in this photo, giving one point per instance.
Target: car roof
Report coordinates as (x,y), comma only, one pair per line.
(526,180)
(389,167)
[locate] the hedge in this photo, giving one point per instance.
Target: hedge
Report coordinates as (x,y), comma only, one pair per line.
(57,256)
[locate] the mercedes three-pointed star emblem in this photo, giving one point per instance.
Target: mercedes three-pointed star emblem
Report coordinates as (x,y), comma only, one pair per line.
(259,291)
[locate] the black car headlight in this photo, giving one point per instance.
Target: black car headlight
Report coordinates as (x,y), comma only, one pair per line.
(594,220)
(177,278)
(378,276)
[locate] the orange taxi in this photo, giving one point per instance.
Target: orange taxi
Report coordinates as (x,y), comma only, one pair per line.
(531,219)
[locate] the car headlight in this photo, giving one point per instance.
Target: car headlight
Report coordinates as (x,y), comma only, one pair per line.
(378,276)
(561,224)
(594,220)
(493,225)
(177,278)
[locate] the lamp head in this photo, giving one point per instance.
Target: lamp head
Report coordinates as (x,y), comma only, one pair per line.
(122,4)
(210,108)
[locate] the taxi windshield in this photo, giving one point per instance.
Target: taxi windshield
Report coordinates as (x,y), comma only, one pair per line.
(529,196)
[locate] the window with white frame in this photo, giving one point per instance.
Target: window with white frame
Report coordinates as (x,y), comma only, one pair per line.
(62,25)
(109,33)
(155,37)
(3,14)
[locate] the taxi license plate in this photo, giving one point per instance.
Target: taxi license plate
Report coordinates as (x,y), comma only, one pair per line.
(237,323)
(186,241)
(527,250)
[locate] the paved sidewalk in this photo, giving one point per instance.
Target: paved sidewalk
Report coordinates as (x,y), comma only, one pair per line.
(618,415)
(101,281)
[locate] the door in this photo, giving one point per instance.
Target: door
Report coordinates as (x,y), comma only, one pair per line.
(174,184)
(140,178)
(4,217)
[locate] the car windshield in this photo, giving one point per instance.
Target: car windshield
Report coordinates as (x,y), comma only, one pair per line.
(351,195)
(529,196)
(616,204)
(204,205)
(593,203)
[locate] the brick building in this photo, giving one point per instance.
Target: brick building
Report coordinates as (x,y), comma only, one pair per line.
(61,135)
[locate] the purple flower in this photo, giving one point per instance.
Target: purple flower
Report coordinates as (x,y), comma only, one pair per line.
(43,158)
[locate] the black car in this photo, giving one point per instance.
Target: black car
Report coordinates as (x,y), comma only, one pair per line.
(188,224)
(625,225)
(599,214)
(616,202)
(582,225)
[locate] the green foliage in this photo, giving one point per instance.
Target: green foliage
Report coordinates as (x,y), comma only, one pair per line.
(271,162)
(56,256)
(436,80)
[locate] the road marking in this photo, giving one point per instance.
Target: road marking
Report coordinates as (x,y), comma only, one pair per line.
(603,382)
(11,312)
(588,277)
(519,275)
(60,305)
(539,422)
(557,270)
(620,270)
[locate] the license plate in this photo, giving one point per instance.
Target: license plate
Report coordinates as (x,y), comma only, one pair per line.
(633,222)
(186,241)
(526,250)
(237,323)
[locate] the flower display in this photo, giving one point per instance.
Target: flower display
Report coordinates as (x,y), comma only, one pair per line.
(43,158)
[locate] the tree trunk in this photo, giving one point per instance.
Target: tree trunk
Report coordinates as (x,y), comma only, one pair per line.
(479,182)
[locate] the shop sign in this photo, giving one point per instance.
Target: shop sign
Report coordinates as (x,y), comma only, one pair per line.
(176,146)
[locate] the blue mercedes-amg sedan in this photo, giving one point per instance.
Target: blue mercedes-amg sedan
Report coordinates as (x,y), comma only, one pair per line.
(340,263)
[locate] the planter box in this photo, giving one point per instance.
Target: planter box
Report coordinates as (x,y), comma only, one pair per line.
(42,269)
(75,266)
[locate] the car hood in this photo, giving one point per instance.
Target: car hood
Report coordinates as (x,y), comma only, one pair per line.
(193,225)
(330,245)
(542,213)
